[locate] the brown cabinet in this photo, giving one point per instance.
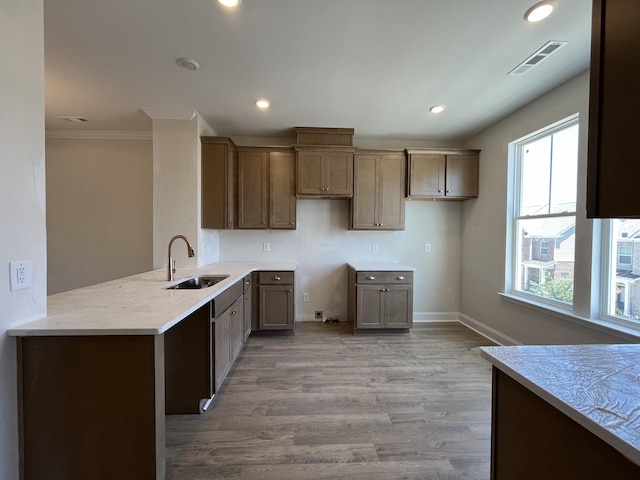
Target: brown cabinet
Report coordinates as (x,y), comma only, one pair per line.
(218,180)
(451,174)
(247,310)
(613,171)
(227,331)
(274,302)
(266,182)
(324,171)
(378,197)
(380,300)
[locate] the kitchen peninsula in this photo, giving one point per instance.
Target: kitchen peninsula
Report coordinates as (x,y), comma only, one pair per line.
(91,374)
(565,411)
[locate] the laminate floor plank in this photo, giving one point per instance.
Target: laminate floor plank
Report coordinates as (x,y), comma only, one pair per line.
(325,404)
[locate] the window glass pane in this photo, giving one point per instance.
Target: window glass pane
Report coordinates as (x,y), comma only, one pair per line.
(536,173)
(564,170)
(546,249)
(549,172)
(624,275)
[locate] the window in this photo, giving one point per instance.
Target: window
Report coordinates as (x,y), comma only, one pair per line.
(542,219)
(622,272)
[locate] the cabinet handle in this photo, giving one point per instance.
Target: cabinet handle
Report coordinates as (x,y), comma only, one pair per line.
(276,277)
(370,277)
(400,277)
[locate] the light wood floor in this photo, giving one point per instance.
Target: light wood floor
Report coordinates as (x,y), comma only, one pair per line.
(324,404)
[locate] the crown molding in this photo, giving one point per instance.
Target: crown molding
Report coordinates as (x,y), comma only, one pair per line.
(170,113)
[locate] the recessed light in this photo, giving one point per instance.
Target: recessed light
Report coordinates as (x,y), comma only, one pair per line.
(437,109)
(188,64)
(230,3)
(263,103)
(73,119)
(539,11)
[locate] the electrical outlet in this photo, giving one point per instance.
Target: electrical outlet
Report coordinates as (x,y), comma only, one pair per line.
(305,297)
(374,247)
(266,247)
(319,314)
(20,275)
(427,247)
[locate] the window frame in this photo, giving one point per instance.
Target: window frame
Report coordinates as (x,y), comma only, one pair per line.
(515,173)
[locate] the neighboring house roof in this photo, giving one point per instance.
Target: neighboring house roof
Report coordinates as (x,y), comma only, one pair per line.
(630,227)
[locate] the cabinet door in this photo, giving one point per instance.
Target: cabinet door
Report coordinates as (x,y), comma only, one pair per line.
(218,180)
(221,356)
(364,201)
(276,307)
(461,176)
(309,165)
(282,204)
(369,306)
(246,309)
(398,306)
(426,175)
(236,328)
(390,202)
(252,190)
(338,173)
(614,100)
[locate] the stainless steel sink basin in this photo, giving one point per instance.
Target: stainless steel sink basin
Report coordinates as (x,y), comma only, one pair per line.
(197,282)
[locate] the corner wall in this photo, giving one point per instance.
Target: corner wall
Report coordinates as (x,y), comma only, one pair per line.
(484,230)
(22,196)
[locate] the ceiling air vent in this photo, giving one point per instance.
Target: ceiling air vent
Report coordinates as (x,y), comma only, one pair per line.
(537,57)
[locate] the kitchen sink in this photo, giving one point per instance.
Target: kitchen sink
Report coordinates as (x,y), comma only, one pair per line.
(197,282)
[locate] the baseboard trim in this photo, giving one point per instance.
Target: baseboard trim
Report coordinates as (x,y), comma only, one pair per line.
(487,332)
(426,317)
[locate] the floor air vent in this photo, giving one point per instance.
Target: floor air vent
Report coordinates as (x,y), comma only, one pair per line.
(536,58)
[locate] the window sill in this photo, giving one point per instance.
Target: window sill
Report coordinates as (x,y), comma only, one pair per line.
(620,331)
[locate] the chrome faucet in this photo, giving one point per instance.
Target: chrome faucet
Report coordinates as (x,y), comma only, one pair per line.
(171,266)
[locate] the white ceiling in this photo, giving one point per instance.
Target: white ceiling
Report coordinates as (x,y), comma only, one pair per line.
(372,65)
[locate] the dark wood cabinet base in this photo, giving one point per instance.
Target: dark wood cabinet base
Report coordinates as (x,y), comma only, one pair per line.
(532,440)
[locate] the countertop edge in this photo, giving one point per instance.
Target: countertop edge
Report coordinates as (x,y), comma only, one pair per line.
(620,444)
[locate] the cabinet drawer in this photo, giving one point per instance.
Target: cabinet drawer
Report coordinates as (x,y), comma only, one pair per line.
(275,278)
(400,277)
(226,298)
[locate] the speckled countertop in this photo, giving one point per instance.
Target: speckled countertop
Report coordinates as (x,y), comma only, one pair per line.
(380,267)
(598,386)
(135,305)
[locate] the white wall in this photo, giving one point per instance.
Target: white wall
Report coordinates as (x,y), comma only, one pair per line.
(22,196)
(322,245)
(484,229)
(99,210)
(175,190)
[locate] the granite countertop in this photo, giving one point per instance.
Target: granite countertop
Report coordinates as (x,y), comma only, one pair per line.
(380,267)
(135,305)
(598,386)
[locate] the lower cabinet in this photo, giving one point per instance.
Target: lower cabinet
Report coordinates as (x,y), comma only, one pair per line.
(380,300)
(274,302)
(227,331)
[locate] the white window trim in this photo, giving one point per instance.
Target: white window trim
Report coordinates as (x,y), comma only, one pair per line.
(514,175)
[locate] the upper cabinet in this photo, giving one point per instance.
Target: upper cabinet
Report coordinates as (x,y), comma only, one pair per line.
(443,174)
(325,172)
(266,197)
(324,162)
(378,197)
(218,179)
(613,170)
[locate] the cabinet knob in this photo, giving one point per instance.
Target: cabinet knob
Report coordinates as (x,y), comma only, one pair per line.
(370,277)
(439,191)
(233,312)
(400,277)
(248,282)
(448,191)
(276,277)
(289,290)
